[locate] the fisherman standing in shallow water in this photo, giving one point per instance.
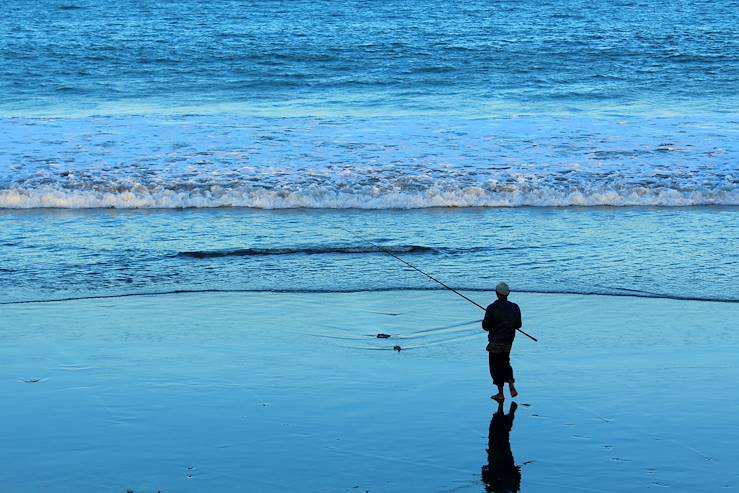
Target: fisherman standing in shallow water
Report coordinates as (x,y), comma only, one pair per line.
(502,318)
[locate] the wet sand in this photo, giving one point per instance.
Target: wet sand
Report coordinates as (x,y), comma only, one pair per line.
(294,392)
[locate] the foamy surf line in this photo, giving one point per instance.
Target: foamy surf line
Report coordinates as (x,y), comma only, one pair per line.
(329,198)
(625,293)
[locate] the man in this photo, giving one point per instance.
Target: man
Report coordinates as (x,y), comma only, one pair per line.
(502,318)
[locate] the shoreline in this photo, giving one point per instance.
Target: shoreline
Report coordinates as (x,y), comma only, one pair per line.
(491,291)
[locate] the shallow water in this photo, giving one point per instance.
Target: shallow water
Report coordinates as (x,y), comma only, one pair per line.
(678,252)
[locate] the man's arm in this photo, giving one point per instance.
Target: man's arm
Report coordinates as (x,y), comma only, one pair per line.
(487,321)
(519,324)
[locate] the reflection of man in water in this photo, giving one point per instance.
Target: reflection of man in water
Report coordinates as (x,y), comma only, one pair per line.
(501,474)
(502,318)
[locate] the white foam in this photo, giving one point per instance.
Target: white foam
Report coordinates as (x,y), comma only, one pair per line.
(403,163)
(49,197)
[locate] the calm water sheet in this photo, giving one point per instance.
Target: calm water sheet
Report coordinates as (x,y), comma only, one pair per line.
(276,392)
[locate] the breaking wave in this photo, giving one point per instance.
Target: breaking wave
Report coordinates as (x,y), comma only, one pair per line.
(328,198)
(366,163)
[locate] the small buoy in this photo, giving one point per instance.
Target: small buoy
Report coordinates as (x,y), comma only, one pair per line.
(383,336)
(397,348)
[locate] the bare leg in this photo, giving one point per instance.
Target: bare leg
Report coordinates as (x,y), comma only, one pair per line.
(512,389)
(500,397)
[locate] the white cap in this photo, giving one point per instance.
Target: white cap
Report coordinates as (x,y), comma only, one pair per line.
(502,289)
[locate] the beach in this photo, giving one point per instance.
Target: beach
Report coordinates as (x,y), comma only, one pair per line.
(295,392)
(209,212)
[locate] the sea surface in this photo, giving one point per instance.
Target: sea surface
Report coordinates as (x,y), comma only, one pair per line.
(570,146)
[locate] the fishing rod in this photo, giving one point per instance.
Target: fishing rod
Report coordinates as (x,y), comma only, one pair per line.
(430,277)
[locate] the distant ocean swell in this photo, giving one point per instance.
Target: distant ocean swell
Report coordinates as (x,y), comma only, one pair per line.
(368,197)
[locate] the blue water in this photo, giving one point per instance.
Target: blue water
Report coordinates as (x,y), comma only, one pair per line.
(349,57)
(347,104)
(588,147)
(684,253)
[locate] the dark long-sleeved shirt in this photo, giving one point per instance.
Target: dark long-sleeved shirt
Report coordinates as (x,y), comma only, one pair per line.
(502,318)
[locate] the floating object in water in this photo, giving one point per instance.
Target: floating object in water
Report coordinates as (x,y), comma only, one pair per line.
(397,348)
(383,336)
(32,380)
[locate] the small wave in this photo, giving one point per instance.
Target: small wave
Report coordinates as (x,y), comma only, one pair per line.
(433,69)
(318,250)
(371,290)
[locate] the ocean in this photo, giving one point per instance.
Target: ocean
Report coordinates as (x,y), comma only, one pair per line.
(583,147)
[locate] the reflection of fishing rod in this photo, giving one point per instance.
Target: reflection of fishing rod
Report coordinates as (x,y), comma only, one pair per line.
(432,278)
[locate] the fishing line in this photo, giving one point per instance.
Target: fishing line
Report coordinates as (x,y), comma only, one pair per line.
(385,250)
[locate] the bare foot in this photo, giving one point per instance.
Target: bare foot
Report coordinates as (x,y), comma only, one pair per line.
(498,397)
(513,390)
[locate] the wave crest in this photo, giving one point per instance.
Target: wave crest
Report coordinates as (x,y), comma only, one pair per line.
(328,198)
(317,250)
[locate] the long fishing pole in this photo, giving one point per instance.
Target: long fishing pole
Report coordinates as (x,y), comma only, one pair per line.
(431,277)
